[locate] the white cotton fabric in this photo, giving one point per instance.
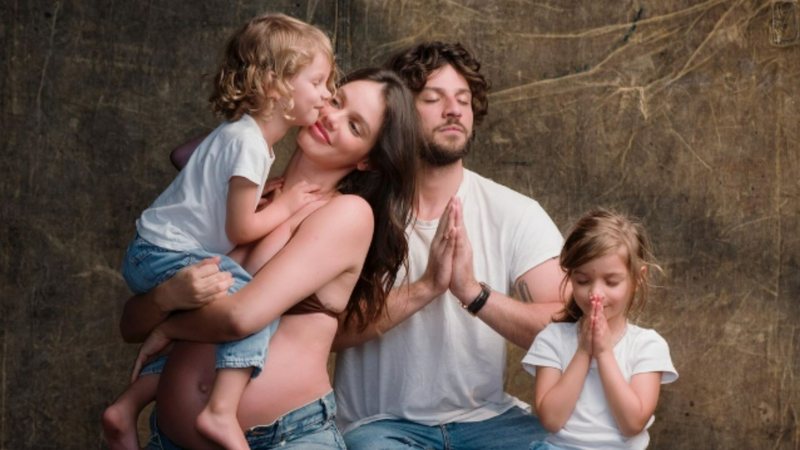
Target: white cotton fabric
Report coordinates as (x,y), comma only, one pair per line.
(191,212)
(592,425)
(442,364)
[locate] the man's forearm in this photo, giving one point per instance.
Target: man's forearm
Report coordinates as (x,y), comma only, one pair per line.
(517,321)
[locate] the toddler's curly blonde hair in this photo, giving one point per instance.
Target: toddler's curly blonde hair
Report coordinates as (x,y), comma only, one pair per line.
(262,56)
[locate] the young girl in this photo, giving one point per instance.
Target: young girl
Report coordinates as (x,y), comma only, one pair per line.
(277,73)
(597,375)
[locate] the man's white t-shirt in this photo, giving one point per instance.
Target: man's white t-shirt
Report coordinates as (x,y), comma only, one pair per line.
(592,425)
(442,364)
(191,212)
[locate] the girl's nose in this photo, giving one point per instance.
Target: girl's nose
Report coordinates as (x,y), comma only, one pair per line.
(326,94)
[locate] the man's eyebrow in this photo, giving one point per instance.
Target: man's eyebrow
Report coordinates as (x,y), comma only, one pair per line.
(358,117)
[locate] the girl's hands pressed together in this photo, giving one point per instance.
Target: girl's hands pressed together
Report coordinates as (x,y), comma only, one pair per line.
(585,334)
(602,340)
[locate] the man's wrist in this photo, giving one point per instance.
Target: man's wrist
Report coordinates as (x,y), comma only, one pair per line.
(479,300)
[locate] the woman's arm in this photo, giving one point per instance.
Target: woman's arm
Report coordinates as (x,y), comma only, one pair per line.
(408,298)
(324,257)
(190,288)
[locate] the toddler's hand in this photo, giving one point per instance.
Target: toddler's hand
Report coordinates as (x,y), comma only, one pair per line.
(299,195)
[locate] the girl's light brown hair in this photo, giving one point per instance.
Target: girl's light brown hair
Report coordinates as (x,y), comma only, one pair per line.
(262,56)
(596,234)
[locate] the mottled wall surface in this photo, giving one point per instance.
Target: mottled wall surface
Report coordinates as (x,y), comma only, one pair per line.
(682,112)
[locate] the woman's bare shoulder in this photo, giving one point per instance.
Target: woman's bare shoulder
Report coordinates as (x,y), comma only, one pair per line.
(347,210)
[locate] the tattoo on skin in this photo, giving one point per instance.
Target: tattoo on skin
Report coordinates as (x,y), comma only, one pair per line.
(524,293)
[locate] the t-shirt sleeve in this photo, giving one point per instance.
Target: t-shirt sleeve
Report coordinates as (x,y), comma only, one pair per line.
(247,158)
(653,356)
(536,238)
(544,351)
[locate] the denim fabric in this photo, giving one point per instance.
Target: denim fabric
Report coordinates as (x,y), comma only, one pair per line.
(542,445)
(514,429)
(146,266)
(310,427)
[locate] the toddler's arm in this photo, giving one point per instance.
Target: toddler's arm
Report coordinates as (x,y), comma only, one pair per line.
(245,224)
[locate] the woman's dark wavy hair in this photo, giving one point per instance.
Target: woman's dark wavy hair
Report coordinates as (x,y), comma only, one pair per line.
(389,187)
(416,63)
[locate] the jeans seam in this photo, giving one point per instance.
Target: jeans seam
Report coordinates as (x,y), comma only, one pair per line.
(445,437)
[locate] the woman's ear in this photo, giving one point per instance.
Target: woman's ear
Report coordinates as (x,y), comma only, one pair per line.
(363,165)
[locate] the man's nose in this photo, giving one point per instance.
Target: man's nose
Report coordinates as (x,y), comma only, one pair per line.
(452,108)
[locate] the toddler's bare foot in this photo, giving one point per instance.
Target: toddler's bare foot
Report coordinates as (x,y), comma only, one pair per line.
(223,429)
(119,428)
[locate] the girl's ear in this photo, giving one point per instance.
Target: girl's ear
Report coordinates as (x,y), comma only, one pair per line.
(642,275)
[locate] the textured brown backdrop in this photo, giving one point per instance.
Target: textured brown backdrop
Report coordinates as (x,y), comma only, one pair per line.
(682,112)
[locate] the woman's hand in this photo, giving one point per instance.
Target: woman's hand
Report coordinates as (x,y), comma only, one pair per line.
(194,286)
(155,344)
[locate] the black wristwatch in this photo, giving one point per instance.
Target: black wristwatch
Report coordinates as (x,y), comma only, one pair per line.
(476,305)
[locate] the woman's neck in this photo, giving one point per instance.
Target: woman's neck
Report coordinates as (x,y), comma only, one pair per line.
(300,169)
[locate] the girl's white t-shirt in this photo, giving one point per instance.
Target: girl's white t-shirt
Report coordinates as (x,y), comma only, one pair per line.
(592,425)
(190,213)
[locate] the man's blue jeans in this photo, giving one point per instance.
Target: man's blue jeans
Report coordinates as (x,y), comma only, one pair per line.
(514,429)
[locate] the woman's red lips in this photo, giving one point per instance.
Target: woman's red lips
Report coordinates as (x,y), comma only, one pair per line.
(319,130)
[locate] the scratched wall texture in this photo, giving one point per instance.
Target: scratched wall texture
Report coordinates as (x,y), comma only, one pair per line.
(682,112)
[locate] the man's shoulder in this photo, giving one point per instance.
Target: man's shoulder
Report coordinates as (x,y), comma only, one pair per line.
(496,195)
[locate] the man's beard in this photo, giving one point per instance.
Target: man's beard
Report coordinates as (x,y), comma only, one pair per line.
(439,155)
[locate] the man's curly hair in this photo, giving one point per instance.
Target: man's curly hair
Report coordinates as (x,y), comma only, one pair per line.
(415,64)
